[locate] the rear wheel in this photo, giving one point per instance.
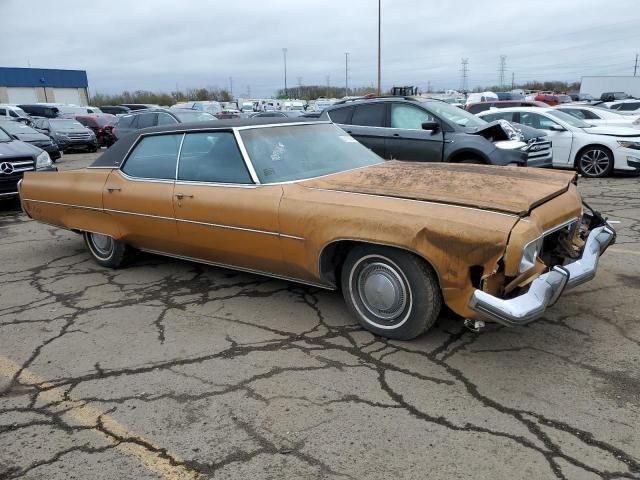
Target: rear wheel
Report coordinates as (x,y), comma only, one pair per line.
(392,293)
(105,250)
(595,162)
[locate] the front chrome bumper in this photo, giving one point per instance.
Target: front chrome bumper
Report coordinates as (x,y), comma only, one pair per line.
(545,290)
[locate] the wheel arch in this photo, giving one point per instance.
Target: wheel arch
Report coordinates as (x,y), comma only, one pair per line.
(592,145)
(466,153)
(333,254)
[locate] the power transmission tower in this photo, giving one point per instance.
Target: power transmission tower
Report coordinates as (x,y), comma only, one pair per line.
(346,74)
(635,67)
(503,69)
(464,81)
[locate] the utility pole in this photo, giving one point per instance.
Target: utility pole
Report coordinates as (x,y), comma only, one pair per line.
(464,83)
(346,74)
(328,84)
(513,80)
(379,45)
(635,68)
(284,53)
(503,68)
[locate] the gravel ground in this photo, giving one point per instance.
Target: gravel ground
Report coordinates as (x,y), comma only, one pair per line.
(169,369)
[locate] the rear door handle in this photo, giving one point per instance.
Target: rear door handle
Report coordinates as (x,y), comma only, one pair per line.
(396,134)
(180,196)
(113,189)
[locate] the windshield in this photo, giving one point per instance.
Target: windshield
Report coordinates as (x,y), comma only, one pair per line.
(455,115)
(570,119)
(17,127)
(65,124)
(297,152)
(195,116)
(3,135)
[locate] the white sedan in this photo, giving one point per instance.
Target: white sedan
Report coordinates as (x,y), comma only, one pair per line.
(600,116)
(594,151)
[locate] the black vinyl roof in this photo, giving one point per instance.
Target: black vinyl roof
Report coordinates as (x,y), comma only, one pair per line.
(116,153)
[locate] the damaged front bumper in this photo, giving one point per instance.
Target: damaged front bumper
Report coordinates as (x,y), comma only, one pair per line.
(545,290)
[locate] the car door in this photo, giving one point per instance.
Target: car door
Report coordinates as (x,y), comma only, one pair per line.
(407,140)
(368,126)
(140,194)
(561,138)
(223,217)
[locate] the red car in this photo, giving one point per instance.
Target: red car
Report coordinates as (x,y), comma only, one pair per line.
(482,106)
(552,99)
(102,125)
(227,114)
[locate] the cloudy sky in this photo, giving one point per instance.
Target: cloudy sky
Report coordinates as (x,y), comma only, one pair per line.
(156,45)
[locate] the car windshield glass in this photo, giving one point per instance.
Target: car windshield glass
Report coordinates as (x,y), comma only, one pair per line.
(17,127)
(3,135)
(194,116)
(570,119)
(455,115)
(296,152)
(65,124)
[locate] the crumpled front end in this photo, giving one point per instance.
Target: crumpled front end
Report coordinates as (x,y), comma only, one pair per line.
(538,268)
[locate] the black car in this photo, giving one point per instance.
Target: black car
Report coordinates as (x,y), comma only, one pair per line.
(17,157)
(407,128)
(26,134)
(157,117)
(613,96)
(115,109)
(36,110)
(67,133)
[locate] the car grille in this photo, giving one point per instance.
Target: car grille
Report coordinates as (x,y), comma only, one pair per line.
(9,181)
(79,135)
(538,148)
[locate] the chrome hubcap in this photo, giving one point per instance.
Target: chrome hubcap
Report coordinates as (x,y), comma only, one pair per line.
(102,243)
(382,290)
(594,162)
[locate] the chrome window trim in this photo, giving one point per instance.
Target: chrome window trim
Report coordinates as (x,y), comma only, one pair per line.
(216,184)
(245,156)
(241,269)
(179,154)
(143,179)
(287,124)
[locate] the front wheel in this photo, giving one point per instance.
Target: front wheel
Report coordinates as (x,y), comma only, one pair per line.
(105,250)
(392,293)
(595,162)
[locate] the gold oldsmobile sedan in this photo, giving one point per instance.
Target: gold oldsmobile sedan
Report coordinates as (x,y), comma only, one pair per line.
(306,202)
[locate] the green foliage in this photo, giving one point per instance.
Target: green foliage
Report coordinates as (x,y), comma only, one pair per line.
(161,98)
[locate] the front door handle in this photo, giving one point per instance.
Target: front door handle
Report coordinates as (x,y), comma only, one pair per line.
(180,196)
(396,134)
(113,189)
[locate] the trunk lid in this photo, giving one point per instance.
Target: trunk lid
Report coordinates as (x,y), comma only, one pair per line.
(513,190)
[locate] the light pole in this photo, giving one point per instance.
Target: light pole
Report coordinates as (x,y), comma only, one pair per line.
(379,36)
(346,74)
(284,53)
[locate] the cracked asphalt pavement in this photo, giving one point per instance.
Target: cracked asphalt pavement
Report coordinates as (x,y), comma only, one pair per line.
(169,369)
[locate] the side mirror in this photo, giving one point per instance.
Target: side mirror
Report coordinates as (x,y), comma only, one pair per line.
(557,128)
(432,126)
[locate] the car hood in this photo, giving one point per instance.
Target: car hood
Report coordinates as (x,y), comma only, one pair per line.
(613,131)
(514,190)
(16,148)
(33,137)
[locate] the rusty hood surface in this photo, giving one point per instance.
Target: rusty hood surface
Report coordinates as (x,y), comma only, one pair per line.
(514,190)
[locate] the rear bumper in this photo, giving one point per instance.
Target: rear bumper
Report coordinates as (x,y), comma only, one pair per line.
(545,290)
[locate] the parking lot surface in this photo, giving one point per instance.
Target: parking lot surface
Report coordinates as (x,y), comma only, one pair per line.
(169,369)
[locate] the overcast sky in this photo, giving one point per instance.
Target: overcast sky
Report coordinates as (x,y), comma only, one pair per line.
(156,45)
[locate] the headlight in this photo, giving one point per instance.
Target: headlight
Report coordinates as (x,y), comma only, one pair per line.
(43,161)
(510,144)
(530,254)
(626,144)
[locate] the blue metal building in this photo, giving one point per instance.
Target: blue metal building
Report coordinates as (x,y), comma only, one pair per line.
(32,85)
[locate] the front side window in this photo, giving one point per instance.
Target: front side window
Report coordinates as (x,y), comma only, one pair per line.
(296,152)
(154,157)
(369,115)
(13,114)
(454,115)
(408,116)
(628,107)
(212,157)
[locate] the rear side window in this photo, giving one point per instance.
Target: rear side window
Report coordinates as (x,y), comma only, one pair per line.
(126,122)
(146,120)
(154,157)
(628,107)
(212,157)
(340,115)
(369,115)
(408,116)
